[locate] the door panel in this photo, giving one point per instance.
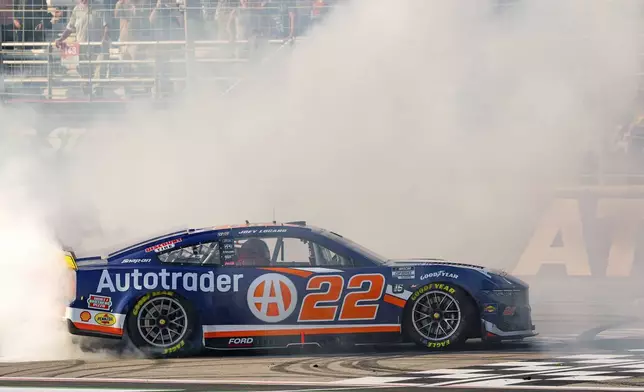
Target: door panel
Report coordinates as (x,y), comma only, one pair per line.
(289,301)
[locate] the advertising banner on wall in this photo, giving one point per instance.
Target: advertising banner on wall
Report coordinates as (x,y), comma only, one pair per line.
(593,232)
(584,258)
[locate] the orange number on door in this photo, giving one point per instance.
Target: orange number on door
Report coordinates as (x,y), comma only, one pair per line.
(311,309)
(352,309)
(319,306)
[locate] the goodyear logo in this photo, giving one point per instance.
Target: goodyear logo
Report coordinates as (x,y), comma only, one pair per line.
(105,319)
(489,309)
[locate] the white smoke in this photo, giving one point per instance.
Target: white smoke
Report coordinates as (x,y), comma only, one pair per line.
(416,127)
(34,283)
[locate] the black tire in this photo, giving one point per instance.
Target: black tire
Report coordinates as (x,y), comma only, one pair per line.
(173,310)
(425,303)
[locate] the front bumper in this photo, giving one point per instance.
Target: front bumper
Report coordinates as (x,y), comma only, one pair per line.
(508,315)
(492,332)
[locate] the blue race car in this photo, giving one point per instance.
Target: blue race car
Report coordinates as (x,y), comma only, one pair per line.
(258,286)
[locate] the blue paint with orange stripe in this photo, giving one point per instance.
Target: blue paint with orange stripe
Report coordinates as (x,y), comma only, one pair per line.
(338,288)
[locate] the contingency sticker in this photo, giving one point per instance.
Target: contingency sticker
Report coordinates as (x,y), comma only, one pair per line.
(403,272)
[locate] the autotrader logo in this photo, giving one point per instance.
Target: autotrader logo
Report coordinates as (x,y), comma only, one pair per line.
(272,297)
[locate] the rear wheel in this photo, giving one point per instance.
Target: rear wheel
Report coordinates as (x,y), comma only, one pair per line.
(439,316)
(162,324)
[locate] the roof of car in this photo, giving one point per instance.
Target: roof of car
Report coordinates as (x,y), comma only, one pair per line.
(174,234)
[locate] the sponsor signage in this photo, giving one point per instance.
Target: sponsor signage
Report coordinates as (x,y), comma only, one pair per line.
(99,302)
(105,319)
(163,246)
(205,282)
(406,272)
(439,274)
(596,232)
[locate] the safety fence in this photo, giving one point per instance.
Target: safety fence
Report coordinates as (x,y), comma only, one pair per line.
(136,48)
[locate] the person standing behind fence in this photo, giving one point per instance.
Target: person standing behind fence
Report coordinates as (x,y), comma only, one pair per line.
(167,25)
(286,19)
(131,19)
(6,21)
(90,23)
(226,17)
(166,21)
(31,18)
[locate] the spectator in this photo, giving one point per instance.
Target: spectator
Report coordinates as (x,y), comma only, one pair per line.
(286,18)
(31,20)
(57,21)
(89,22)
(194,10)
(319,10)
(6,20)
(130,15)
(166,21)
(226,18)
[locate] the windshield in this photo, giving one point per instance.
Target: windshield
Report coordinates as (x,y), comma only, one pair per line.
(356,247)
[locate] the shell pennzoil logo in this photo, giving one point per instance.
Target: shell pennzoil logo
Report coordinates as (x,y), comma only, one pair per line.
(85,316)
(105,319)
(272,297)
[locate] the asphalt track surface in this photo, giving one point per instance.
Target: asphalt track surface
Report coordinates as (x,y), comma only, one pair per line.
(590,357)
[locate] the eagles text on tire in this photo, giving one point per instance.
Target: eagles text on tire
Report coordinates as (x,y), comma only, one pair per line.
(281,285)
(438,316)
(161,324)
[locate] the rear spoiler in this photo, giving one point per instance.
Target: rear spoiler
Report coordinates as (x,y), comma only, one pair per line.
(70,259)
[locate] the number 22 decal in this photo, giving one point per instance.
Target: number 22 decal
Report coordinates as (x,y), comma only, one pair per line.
(322,305)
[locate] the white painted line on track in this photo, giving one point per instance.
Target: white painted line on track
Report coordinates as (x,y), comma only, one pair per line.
(371,380)
(451,371)
(589,378)
(639,366)
(596,356)
(500,383)
(521,364)
(330,389)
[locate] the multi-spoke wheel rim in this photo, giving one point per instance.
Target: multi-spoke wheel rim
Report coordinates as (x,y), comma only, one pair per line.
(436,315)
(162,322)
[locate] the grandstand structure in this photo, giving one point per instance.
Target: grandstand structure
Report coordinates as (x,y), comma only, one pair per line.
(131,49)
(72,62)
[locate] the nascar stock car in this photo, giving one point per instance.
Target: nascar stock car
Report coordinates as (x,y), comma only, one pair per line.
(257,286)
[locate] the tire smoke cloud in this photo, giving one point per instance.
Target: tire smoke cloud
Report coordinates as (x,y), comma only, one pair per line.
(416,127)
(421,128)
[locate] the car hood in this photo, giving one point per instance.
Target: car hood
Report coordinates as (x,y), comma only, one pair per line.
(497,276)
(414,262)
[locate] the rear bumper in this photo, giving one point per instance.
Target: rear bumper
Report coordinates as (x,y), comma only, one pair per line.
(74,330)
(85,322)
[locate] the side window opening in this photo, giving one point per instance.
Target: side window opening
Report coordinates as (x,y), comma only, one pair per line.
(327,258)
(199,254)
(264,252)
(284,251)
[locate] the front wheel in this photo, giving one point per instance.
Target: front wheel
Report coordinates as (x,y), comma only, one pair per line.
(438,316)
(162,324)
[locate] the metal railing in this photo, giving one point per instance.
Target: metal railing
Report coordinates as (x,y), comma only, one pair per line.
(135,48)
